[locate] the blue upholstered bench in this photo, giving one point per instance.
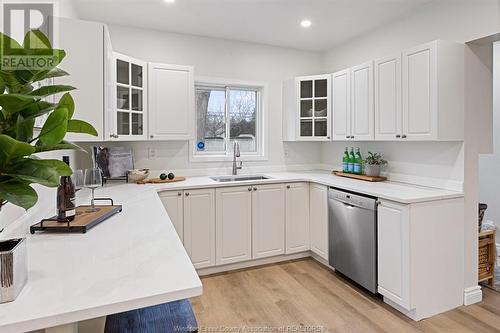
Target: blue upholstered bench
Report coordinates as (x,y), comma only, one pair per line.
(175,317)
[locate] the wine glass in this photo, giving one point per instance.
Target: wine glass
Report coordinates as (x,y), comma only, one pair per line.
(92,181)
(77,179)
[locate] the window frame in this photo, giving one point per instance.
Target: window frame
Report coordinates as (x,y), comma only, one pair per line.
(260,126)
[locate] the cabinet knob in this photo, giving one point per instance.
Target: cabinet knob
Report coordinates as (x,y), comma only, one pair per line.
(352,136)
(398,136)
(187,194)
(347,137)
(255,188)
(328,137)
(151,136)
(179,194)
(288,186)
(404,136)
(249,189)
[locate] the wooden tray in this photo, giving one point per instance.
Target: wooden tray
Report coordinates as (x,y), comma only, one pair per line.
(360,177)
(83,221)
(161,181)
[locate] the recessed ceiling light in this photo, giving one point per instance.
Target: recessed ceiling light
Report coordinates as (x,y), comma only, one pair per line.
(169,1)
(305,23)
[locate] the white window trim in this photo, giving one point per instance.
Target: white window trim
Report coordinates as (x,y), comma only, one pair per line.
(262,121)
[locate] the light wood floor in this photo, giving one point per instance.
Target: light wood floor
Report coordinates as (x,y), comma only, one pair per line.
(303,292)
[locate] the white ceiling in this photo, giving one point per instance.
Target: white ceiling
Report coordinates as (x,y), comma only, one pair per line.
(273,22)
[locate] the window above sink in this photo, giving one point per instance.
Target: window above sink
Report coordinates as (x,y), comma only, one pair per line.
(229,111)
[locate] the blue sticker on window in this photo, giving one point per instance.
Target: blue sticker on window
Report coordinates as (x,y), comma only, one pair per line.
(200,145)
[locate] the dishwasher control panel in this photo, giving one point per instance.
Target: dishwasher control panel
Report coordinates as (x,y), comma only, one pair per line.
(352,199)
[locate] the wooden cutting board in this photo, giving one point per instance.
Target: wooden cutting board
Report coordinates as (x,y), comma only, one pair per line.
(85,219)
(161,181)
(360,177)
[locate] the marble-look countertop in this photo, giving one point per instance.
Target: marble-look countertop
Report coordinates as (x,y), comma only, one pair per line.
(135,259)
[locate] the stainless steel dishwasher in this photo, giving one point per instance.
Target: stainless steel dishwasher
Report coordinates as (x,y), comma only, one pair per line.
(352,236)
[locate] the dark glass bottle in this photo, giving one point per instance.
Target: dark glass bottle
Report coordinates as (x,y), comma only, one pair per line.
(66,209)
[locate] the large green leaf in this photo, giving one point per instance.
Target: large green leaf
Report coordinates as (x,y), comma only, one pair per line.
(37,109)
(2,85)
(67,102)
(48,74)
(18,193)
(24,128)
(11,149)
(61,146)
(35,39)
(8,44)
(11,82)
(50,90)
(54,129)
(15,102)
(80,126)
(44,172)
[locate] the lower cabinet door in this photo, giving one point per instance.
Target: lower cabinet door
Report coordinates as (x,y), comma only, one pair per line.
(394,252)
(233,224)
(173,202)
(199,226)
(268,217)
(318,199)
(297,217)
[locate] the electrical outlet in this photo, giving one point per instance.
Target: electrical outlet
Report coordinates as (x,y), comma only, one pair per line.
(152,153)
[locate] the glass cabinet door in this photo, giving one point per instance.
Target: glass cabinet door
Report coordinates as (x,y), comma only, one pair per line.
(130,95)
(314,107)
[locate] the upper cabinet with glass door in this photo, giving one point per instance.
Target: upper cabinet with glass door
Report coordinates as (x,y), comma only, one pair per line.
(313,105)
(130,108)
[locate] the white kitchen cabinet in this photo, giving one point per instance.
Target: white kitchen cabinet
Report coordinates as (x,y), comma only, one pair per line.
(233,224)
(420,253)
(297,217)
(432,91)
(199,226)
(393,239)
(341,83)
(353,115)
(362,116)
(88,49)
(171,102)
(388,113)
(307,108)
(268,220)
(130,107)
(173,201)
(318,199)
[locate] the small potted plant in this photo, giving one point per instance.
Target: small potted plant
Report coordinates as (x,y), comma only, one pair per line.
(373,163)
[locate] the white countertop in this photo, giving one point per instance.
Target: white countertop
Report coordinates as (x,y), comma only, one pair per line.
(135,258)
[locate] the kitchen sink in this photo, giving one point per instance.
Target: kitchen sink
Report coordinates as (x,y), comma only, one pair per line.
(224,179)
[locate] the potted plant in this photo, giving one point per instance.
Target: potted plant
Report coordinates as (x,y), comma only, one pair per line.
(20,104)
(372,164)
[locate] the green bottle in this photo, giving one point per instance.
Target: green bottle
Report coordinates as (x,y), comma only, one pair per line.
(350,163)
(345,161)
(358,162)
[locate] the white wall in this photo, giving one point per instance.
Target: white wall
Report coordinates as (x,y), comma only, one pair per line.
(453,20)
(225,59)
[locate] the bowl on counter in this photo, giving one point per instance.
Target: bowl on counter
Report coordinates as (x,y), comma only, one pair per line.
(136,175)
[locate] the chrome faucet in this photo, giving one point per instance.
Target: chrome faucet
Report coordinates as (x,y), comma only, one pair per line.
(236,153)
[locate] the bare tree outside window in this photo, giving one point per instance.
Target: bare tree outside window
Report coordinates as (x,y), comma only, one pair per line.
(223,111)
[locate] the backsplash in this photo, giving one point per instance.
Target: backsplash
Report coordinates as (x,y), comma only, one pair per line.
(436,164)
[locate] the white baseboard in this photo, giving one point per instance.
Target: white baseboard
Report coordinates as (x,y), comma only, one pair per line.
(473,295)
(252,263)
